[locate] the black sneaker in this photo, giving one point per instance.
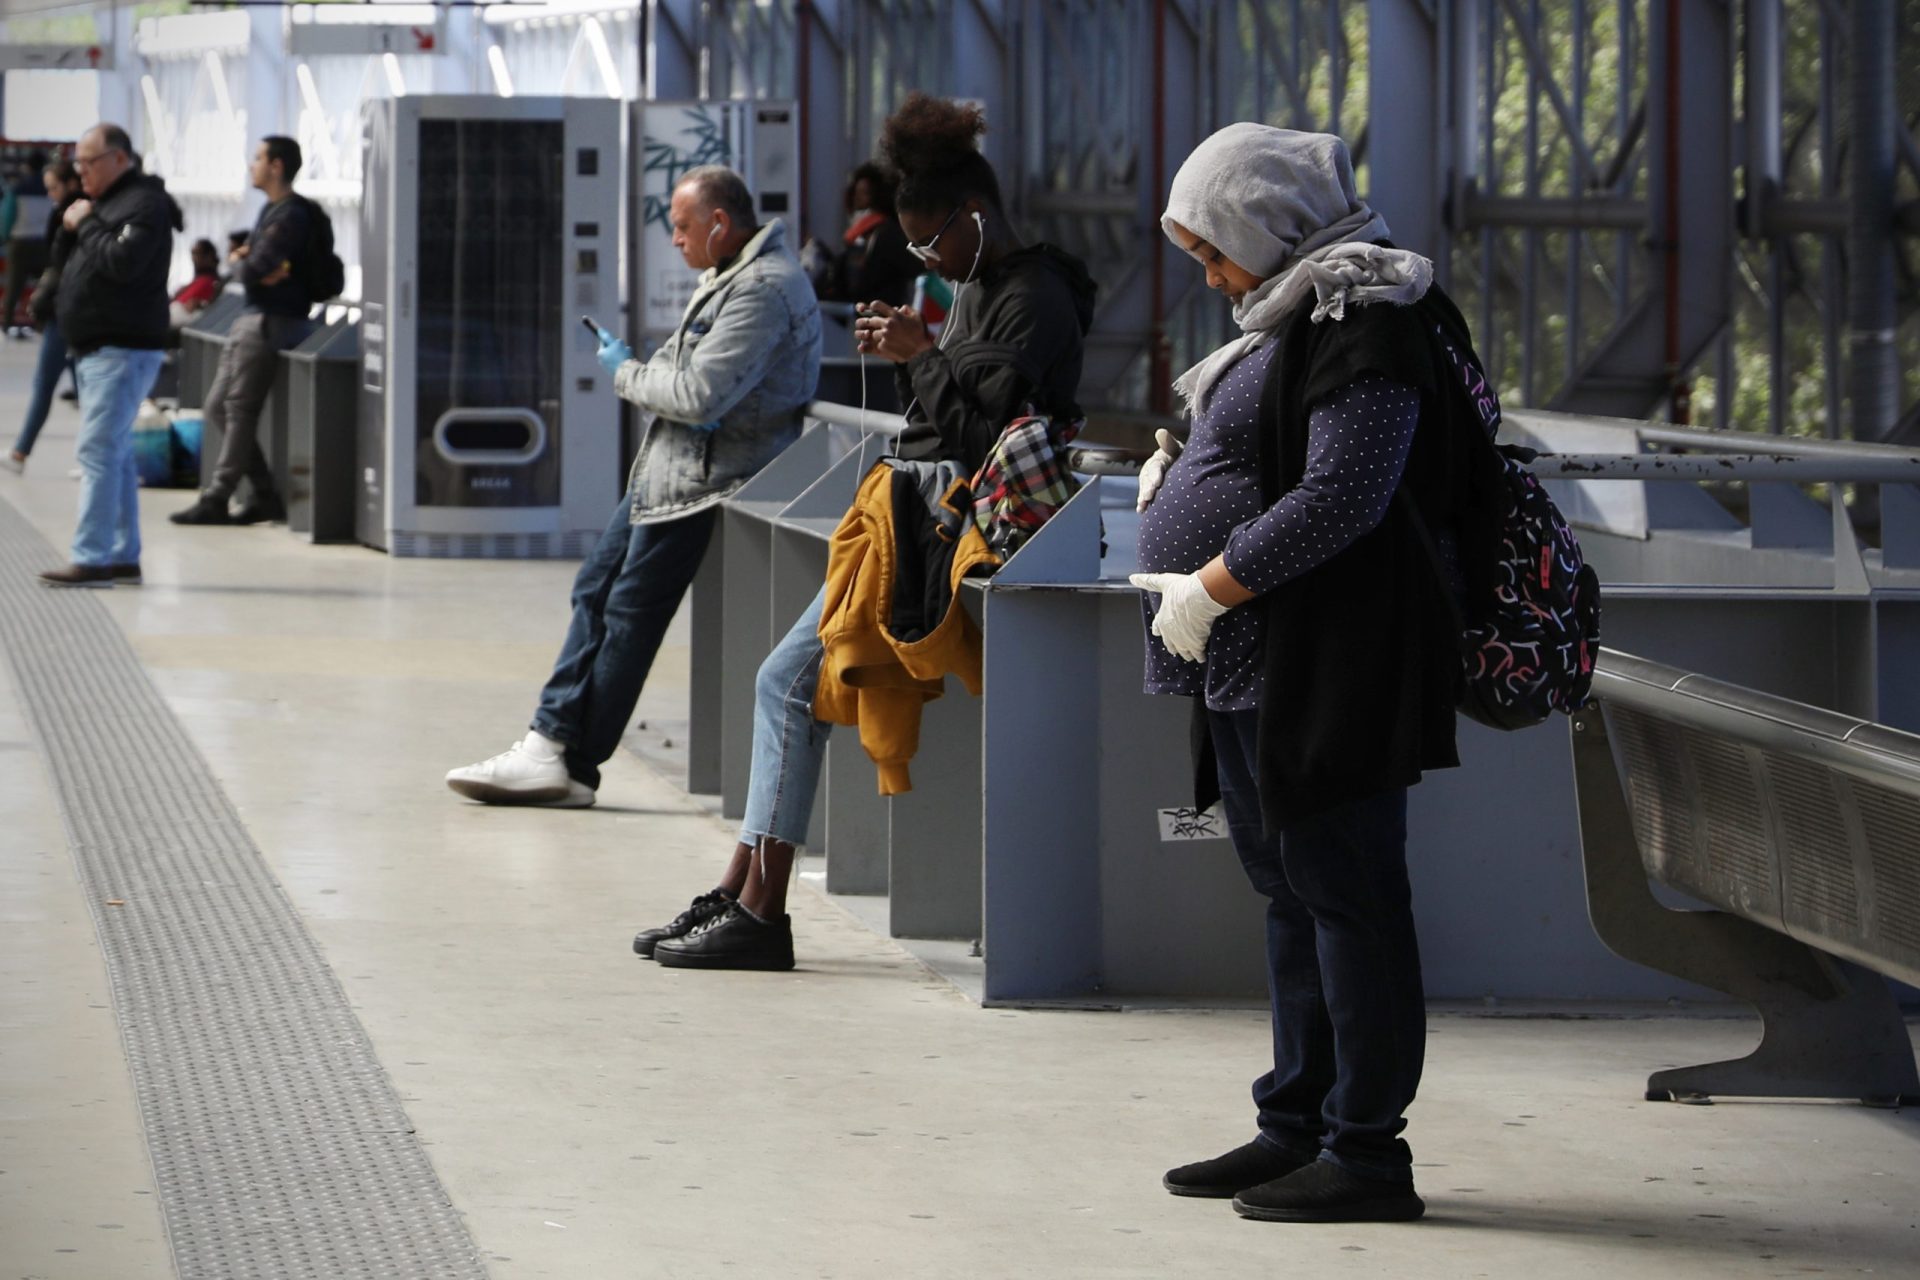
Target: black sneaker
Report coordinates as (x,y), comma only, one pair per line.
(261,509)
(78,575)
(1224,1177)
(702,909)
(206,509)
(1324,1192)
(734,939)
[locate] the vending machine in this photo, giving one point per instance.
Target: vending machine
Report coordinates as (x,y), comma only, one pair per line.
(488,227)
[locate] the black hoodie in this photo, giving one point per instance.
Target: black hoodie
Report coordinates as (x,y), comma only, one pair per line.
(113,288)
(1016,337)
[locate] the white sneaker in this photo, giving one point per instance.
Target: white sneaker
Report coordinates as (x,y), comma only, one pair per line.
(528,772)
(16,465)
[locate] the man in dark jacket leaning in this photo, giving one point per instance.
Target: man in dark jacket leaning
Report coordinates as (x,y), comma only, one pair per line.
(113,311)
(274,267)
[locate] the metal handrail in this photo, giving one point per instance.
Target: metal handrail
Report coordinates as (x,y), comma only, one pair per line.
(850,415)
(1713,440)
(1733,455)
(1749,468)
(1779,724)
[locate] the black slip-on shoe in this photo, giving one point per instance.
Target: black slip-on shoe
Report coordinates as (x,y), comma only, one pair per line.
(1224,1177)
(261,509)
(702,909)
(1324,1192)
(206,509)
(734,939)
(78,575)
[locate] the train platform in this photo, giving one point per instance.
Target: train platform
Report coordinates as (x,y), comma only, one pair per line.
(264,980)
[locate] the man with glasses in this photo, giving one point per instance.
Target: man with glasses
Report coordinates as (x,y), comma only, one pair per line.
(112,310)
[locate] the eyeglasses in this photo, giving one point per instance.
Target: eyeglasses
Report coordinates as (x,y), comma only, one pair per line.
(81,162)
(926,252)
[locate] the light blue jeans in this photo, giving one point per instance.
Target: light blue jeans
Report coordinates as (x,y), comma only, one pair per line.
(789,745)
(113,381)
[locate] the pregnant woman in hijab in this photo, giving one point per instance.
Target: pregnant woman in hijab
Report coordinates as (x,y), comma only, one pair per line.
(1290,597)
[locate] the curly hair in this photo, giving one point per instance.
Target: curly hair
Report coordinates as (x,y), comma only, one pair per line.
(932,144)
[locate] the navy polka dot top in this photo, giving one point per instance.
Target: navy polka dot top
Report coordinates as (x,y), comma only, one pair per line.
(1357,444)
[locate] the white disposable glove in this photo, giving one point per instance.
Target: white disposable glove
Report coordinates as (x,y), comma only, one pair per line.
(1154,473)
(1186,613)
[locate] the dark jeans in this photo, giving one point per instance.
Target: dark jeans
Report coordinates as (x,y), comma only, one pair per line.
(1343,966)
(26,259)
(241,385)
(46,377)
(624,596)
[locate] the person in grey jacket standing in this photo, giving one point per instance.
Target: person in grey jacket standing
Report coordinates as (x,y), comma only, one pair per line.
(722,398)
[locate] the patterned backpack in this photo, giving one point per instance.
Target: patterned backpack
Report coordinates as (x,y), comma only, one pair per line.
(1531,651)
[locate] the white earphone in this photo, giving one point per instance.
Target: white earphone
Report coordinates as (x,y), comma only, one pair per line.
(980,247)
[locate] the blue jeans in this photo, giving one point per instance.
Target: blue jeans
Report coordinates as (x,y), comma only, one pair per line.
(789,745)
(46,377)
(1343,966)
(113,381)
(625,595)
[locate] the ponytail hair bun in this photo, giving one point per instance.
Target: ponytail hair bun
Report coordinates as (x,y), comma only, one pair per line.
(933,145)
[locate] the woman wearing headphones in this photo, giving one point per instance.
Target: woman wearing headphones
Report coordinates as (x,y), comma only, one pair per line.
(1013,339)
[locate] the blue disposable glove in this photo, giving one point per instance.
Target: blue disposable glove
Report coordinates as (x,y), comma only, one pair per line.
(613,352)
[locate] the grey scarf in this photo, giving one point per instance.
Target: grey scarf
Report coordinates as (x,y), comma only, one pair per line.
(1282,204)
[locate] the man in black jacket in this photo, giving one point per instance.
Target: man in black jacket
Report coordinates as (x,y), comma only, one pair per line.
(274,266)
(113,311)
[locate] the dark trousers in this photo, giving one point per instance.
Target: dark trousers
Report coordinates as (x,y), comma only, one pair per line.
(46,378)
(1343,966)
(26,259)
(248,364)
(624,597)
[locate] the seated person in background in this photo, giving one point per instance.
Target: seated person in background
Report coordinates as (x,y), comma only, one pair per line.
(875,263)
(195,296)
(724,396)
(1015,338)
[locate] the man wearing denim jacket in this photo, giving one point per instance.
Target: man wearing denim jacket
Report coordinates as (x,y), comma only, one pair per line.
(721,398)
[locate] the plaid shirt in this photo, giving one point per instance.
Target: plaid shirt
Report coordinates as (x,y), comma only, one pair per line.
(1024,480)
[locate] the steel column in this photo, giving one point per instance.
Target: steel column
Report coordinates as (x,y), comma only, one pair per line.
(1404,147)
(1872,309)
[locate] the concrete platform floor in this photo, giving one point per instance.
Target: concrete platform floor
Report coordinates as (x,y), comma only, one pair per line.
(593,1115)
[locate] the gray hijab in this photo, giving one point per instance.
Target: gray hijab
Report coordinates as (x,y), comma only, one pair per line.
(1282,204)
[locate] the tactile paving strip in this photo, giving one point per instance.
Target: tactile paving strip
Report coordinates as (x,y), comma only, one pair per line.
(279,1146)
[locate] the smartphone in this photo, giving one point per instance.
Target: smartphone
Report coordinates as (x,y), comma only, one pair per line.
(593,327)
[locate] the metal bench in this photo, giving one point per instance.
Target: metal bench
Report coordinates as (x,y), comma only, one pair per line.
(1801,827)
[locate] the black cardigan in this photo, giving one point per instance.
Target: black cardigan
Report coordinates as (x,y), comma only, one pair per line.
(1362,665)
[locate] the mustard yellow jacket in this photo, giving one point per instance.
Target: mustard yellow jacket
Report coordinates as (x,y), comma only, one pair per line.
(871,676)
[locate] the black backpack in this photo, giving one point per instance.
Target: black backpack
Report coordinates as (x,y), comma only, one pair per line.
(326,274)
(1530,650)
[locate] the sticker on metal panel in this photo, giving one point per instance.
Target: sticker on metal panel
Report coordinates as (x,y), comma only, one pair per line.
(1189,823)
